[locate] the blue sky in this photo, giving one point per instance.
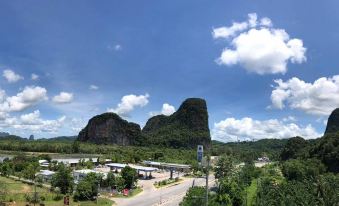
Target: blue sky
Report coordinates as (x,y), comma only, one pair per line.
(157,52)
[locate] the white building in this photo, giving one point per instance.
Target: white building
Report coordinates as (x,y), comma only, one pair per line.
(45,174)
(79,175)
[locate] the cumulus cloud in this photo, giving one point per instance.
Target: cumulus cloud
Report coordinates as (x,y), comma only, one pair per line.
(34,76)
(167,110)
(116,47)
(258,47)
(63,98)
(28,97)
(318,98)
(93,87)
(232,129)
(128,103)
(33,122)
(11,76)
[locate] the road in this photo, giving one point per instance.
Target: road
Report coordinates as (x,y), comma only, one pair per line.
(166,196)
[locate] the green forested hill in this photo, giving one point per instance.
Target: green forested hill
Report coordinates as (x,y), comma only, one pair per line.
(186,128)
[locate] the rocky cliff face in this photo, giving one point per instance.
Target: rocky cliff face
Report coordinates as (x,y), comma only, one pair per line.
(187,127)
(109,128)
(333,122)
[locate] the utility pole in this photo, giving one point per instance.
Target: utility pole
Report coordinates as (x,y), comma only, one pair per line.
(35,196)
(207,174)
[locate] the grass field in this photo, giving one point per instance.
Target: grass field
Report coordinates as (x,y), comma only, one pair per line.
(16,191)
(251,193)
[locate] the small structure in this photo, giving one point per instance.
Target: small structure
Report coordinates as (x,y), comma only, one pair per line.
(46,175)
(118,166)
(170,166)
(73,162)
(79,175)
(43,163)
(263,159)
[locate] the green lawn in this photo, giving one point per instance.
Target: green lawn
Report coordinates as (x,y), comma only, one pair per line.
(251,193)
(167,183)
(16,191)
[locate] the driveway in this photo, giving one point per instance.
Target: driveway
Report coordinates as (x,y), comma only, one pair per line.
(165,196)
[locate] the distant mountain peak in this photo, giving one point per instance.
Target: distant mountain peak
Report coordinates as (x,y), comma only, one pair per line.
(333,122)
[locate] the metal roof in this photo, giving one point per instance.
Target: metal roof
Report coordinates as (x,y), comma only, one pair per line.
(168,165)
(45,173)
(137,167)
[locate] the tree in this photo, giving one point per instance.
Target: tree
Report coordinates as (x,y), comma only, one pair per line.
(30,171)
(87,189)
(224,167)
(247,173)
(130,176)
(302,169)
(294,148)
(110,180)
(234,192)
(63,179)
(5,169)
(76,147)
(196,196)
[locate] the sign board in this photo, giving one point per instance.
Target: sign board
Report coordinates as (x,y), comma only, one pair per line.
(66,200)
(200,153)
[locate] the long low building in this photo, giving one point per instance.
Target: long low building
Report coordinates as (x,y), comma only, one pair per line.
(79,175)
(118,166)
(72,162)
(170,166)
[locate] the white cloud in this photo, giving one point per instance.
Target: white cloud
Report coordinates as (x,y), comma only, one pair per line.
(93,87)
(261,49)
(33,122)
(34,76)
(128,103)
(232,129)
(318,98)
(11,76)
(266,22)
(167,109)
(63,98)
(117,47)
(226,32)
(31,118)
(29,96)
(289,119)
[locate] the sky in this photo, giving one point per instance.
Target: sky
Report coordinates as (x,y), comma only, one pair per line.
(266,69)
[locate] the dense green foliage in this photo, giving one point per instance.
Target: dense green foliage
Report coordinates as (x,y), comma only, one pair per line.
(63,179)
(295,147)
(196,196)
(128,154)
(327,150)
(87,189)
(317,190)
(249,150)
(302,170)
(21,166)
(130,177)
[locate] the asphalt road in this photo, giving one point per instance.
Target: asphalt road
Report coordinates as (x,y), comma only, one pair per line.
(166,196)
